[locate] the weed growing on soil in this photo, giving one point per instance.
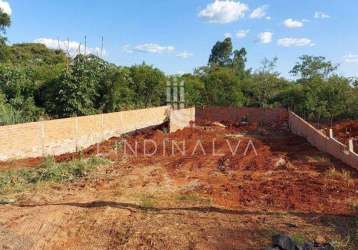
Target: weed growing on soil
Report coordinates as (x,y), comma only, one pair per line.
(343,175)
(193,198)
(147,201)
(298,239)
(48,171)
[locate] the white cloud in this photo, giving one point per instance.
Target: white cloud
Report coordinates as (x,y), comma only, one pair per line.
(227,35)
(73,47)
(265,37)
(151,48)
(242,33)
(291,24)
(184,55)
(351,58)
(321,15)
(259,12)
(5,7)
(224,11)
(295,42)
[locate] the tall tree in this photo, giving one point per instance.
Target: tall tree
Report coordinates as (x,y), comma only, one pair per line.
(221,53)
(313,66)
(75,91)
(5,22)
(148,84)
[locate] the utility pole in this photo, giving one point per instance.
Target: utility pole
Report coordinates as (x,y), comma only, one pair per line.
(102,47)
(85,45)
(67,52)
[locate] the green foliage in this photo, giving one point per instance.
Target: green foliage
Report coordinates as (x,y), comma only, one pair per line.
(148,85)
(222,88)
(313,66)
(264,85)
(48,171)
(75,91)
(223,55)
(37,82)
(115,90)
(147,201)
(5,22)
(18,95)
(194,90)
(34,53)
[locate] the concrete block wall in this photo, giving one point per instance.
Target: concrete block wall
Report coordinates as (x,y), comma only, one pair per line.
(275,116)
(61,136)
(324,143)
(182,118)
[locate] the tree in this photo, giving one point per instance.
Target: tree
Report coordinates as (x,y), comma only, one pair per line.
(313,66)
(239,63)
(194,90)
(336,93)
(223,55)
(264,84)
(115,92)
(5,22)
(222,88)
(292,97)
(18,93)
(76,90)
(148,85)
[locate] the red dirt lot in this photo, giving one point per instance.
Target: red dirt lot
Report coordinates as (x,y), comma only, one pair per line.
(300,183)
(183,194)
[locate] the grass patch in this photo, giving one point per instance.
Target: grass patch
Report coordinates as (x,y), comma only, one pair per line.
(340,175)
(194,198)
(49,171)
(298,239)
(147,201)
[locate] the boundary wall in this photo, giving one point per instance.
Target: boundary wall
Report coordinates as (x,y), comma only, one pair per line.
(56,137)
(324,143)
(180,119)
(274,116)
(69,135)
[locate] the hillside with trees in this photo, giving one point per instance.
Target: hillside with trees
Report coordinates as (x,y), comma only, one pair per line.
(40,83)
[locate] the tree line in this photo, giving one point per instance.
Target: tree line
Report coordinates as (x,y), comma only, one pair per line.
(40,83)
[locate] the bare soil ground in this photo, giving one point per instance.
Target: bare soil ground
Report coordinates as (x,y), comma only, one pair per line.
(211,200)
